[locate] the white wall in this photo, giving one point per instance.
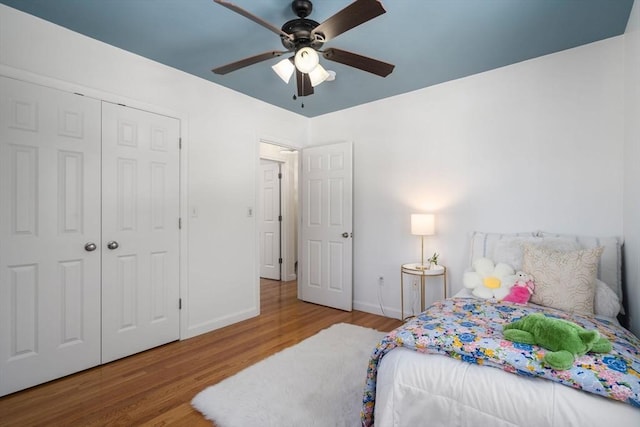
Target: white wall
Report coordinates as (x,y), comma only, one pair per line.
(221,132)
(533,146)
(632,171)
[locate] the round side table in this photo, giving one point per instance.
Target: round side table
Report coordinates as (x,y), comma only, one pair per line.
(414,269)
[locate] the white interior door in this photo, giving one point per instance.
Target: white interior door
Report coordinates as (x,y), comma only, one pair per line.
(140,285)
(49,211)
(270,220)
(326,249)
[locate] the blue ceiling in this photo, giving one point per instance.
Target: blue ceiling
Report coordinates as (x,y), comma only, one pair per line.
(429,41)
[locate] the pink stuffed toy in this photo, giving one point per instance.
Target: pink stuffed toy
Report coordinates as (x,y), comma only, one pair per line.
(521,290)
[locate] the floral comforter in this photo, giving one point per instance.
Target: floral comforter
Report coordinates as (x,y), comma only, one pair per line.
(471,330)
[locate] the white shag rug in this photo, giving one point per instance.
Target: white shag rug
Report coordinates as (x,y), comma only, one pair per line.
(317,382)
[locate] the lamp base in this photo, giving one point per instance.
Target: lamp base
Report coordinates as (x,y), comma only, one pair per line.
(422,267)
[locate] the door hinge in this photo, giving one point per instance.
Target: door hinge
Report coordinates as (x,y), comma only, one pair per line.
(279,175)
(179,223)
(280,218)
(179,303)
(279,260)
(180,143)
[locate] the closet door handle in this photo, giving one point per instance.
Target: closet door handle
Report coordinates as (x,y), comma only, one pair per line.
(90,247)
(112,245)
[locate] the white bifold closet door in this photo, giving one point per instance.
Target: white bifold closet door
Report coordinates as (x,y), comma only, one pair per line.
(140,214)
(71,182)
(49,211)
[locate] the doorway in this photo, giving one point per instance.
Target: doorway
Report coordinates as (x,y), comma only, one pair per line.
(278,212)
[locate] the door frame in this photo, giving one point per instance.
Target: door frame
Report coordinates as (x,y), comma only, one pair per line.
(53,83)
(289,206)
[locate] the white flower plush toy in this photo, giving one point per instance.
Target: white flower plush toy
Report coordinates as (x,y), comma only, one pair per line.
(489,280)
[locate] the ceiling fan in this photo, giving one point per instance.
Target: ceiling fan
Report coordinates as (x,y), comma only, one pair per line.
(305,38)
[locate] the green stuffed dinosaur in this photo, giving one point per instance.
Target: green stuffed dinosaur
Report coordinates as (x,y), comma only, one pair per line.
(564,339)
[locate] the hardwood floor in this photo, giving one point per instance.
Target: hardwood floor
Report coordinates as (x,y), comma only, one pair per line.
(155,387)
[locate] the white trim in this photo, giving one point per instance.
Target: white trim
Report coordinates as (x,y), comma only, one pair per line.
(392,313)
(28,76)
(220,322)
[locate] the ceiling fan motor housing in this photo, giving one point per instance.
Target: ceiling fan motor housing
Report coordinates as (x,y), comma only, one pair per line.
(301,30)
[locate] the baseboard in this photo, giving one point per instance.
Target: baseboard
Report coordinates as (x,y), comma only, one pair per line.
(375,309)
(213,324)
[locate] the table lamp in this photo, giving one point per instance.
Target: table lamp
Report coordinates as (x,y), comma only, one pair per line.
(422,225)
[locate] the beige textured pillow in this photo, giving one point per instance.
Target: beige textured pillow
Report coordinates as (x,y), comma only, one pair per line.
(564,280)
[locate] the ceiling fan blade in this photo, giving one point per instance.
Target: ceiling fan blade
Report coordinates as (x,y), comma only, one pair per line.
(254,18)
(363,63)
(358,12)
(247,61)
(304,84)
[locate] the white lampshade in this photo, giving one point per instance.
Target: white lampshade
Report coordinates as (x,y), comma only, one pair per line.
(284,69)
(423,224)
(318,75)
(306,60)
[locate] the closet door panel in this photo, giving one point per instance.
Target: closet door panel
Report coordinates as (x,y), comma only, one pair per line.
(49,211)
(140,230)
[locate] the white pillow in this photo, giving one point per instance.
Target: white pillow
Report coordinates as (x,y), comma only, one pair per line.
(482,244)
(509,250)
(606,301)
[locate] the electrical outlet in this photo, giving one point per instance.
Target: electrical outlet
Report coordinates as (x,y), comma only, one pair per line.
(381,281)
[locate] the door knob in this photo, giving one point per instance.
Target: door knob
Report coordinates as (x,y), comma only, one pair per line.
(90,247)
(345,234)
(112,245)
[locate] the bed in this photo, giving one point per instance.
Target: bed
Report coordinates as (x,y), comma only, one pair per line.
(450,366)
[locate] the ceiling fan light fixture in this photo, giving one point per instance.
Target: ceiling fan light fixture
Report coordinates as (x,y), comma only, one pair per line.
(284,69)
(318,75)
(306,60)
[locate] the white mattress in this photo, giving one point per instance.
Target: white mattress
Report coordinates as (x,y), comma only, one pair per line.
(415,389)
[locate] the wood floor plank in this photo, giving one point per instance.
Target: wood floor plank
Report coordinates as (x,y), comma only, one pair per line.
(155,388)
